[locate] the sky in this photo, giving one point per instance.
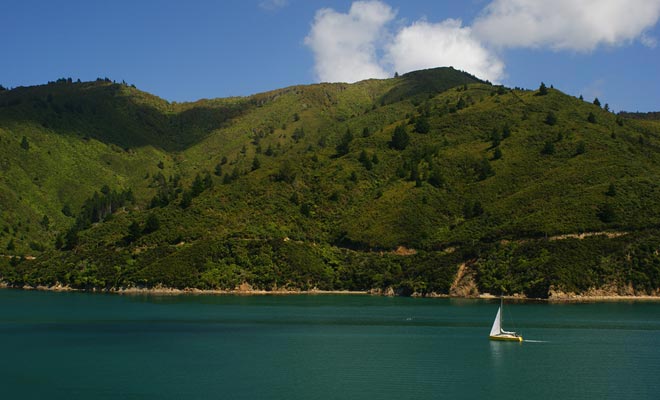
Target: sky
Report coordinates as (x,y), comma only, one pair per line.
(194,49)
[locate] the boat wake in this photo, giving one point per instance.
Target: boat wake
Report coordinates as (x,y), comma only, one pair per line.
(536,341)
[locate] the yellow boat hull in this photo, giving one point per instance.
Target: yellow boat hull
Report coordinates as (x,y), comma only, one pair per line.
(507,338)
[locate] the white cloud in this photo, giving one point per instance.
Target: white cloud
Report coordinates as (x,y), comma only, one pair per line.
(273,4)
(345,45)
(648,41)
(579,25)
(426,45)
(363,44)
(358,45)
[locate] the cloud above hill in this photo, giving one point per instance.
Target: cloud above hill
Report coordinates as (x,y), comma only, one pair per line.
(345,45)
(358,45)
(366,43)
(448,43)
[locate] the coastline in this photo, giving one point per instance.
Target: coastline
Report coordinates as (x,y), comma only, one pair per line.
(247,290)
(168,291)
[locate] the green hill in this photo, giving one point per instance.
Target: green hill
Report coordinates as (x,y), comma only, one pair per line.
(380,184)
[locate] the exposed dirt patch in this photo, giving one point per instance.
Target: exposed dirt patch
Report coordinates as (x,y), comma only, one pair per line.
(404,251)
(464,284)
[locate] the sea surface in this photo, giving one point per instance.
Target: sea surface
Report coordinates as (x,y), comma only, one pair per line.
(96,346)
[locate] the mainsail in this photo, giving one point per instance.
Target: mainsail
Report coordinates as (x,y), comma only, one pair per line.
(497,325)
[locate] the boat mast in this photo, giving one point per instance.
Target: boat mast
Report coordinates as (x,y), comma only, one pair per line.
(501,312)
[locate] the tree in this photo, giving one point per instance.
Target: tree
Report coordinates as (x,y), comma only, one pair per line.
(152,224)
(218,170)
(400,138)
(414,172)
(343,146)
(59,242)
(161,165)
(606,107)
(286,173)
(484,169)
(543,90)
(422,125)
(366,132)
(66,210)
(186,199)
(551,118)
(611,190)
(256,164)
(497,154)
(306,209)
(235,174)
(71,238)
(581,148)
(591,118)
(134,232)
(365,160)
(472,209)
(25,145)
(597,102)
(197,186)
(45,222)
(298,134)
(495,137)
(506,131)
(435,178)
(11,246)
(606,213)
(548,148)
(477,209)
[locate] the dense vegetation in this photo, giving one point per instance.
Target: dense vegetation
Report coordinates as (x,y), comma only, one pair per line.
(380,184)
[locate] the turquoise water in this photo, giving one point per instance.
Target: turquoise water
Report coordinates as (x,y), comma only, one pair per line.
(73,345)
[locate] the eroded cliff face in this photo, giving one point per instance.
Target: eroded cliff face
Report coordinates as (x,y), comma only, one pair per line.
(464,284)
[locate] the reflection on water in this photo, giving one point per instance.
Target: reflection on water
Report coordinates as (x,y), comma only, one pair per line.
(496,351)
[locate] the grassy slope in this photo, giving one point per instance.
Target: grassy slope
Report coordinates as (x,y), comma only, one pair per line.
(236,232)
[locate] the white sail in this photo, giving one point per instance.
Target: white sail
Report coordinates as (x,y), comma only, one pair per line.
(497,329)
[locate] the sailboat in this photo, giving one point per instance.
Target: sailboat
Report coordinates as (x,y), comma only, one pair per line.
(497,333)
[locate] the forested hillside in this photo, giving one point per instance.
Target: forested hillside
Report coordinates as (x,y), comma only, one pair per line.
(380,184)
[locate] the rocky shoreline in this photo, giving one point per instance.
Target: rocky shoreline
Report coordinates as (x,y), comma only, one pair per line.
(247,290)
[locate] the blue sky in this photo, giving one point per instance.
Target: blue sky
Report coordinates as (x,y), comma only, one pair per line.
(184,51)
